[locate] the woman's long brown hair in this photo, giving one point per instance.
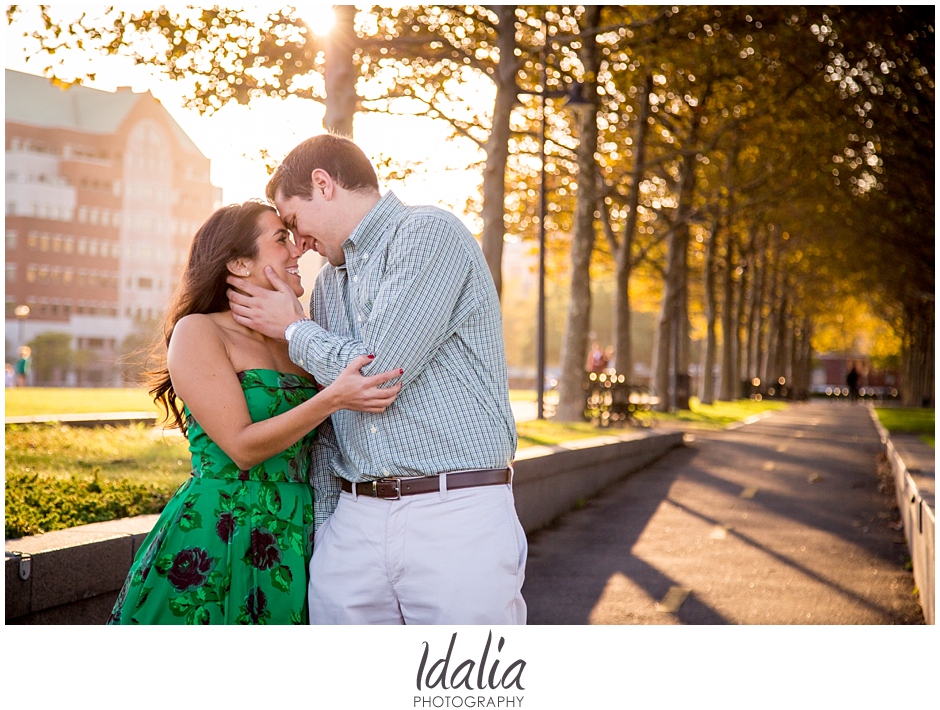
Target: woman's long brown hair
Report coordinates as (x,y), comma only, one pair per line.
(230,233)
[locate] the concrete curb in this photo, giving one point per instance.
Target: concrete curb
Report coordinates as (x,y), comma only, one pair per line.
(919,522)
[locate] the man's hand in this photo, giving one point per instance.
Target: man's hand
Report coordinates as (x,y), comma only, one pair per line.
(265,311)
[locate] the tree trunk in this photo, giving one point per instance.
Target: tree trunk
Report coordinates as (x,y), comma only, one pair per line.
(707,389)
(738,341)
(755,294)
(670,326)
(766,341)
(726,389)
(778,352)
(577,325)
(623,339)
(918,348)
(497,144)
(340,74)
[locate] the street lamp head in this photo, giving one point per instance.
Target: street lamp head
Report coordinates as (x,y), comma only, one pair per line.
(21,311)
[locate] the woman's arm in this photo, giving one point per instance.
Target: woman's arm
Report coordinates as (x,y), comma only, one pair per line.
(204,378)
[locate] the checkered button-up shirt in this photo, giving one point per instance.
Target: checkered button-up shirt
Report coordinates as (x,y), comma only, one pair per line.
(416,292)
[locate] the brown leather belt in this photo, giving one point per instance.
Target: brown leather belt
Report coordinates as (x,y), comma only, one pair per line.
(395,488)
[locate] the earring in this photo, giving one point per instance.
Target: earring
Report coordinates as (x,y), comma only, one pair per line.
(247,273)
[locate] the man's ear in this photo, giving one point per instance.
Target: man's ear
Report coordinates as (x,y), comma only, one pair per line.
(322,182)
(239,267)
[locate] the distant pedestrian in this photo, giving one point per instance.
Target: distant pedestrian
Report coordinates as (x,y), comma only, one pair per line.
(10,375)
(23,366)
(851,380)
(597,360)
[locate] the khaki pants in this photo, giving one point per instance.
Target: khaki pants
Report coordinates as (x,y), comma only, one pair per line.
(455,557)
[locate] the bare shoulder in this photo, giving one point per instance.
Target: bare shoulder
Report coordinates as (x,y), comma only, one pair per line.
(195,334)
(196,325)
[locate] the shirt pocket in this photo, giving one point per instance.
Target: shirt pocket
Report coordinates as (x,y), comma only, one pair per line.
(364,311)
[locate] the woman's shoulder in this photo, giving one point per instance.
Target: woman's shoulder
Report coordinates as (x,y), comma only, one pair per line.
(196,325)
(196,332)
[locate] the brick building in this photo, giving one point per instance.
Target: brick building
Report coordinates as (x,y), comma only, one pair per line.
(104,192)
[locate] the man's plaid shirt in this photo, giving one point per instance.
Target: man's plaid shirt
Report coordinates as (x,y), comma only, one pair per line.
(420,297)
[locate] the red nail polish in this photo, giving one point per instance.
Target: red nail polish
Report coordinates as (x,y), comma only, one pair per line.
(371,357)
(401,372)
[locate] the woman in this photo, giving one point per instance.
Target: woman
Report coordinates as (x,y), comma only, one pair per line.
(233,544)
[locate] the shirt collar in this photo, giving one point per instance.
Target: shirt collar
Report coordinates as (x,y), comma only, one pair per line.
(369,232)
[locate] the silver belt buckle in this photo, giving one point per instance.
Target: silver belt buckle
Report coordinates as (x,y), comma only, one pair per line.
(396,481)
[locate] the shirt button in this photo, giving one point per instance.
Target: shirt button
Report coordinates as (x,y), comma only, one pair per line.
(374,430)
(355,279)
(300,362)
(365,257)
(359,318)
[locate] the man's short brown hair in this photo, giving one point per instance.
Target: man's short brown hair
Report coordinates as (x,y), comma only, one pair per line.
(342,159)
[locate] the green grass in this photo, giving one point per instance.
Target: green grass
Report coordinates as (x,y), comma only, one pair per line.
(901,420)
(36,401)
(141,453)
(59,476)
(549,433)
(714,416)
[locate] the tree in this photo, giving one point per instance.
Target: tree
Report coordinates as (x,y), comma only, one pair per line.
(52,356)
(420,54)
(577,323)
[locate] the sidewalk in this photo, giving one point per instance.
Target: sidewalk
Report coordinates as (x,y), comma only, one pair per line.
(777,522)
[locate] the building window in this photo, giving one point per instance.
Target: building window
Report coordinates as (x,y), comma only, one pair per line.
(68,244)
(32,240)
(82,246)
(67,276)
(11,272)
(93,247)
(82,214)
(55,275)
(93,217)
(43,274)
(11,239)
(57,243)
(144,284)
(44,242)
(31,273)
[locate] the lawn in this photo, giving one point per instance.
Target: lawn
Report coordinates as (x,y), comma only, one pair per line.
(714,416)
(899,420)
(59,477)
(36,401)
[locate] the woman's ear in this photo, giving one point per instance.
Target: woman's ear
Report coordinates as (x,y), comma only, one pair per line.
(239,267)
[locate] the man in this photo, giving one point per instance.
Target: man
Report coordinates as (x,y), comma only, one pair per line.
(425,529)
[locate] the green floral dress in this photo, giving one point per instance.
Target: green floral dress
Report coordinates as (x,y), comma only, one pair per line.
(231,546)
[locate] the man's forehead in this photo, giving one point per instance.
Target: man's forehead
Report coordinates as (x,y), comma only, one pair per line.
(286,207)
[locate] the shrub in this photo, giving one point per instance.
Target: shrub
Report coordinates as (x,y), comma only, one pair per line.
(36,503)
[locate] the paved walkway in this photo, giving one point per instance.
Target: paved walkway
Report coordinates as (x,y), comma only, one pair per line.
(777,522)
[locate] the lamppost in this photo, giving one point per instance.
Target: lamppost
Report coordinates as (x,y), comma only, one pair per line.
(574,99)
(22,313)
